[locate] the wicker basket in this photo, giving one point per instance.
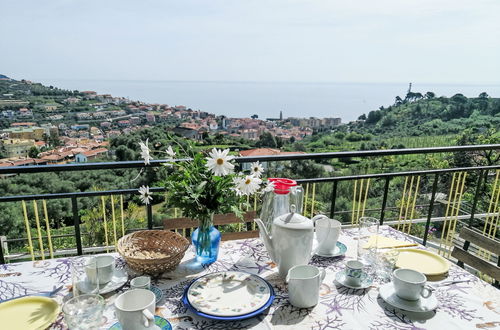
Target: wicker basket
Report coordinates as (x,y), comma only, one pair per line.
(152,251)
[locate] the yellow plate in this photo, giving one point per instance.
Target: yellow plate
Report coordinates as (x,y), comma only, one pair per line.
(423,261)
(28,313)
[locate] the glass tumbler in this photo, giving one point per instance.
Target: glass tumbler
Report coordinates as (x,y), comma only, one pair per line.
(80,266)
(84,311)
(367,227)
(387,264)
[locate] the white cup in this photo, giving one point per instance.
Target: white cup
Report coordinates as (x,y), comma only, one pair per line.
(135,309)
(327,233)
(354,272)
(100,269)
(410,284)
(141,282)
(304,282)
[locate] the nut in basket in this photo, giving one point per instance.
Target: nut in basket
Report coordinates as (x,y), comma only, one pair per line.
(152,251)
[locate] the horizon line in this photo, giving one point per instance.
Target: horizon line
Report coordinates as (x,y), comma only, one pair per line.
(269,81)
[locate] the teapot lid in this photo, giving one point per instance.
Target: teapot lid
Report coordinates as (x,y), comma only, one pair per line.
(293,220)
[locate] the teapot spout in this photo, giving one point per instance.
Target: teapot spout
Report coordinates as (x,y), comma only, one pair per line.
(266,238)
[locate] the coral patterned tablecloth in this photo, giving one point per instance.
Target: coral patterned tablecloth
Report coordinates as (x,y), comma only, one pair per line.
(470,305)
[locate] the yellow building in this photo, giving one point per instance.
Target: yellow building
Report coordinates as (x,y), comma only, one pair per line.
(31,133)
(17,147)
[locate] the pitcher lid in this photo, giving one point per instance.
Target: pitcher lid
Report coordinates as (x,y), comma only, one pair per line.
(282,185)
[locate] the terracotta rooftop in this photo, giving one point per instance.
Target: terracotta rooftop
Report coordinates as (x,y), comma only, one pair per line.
(260,152)
(267,152)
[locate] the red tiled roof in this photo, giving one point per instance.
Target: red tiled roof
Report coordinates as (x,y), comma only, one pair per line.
(291,152)
(259,152)
(53,157)
(267,152)
(23,162)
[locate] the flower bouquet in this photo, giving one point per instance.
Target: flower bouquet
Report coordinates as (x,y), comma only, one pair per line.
(203,185)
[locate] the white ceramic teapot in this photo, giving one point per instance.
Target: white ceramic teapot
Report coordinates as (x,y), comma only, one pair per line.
(291,243)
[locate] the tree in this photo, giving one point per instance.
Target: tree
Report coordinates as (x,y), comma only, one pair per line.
(484,95)
(254,116)
(33,152)
(267,140)
(373,117)
(362,117)
(3,152)
(430,95)
(459,98)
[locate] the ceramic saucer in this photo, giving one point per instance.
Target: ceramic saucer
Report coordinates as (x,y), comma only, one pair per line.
(120,277)
(160,322)
(388,293)
(366,280)
(158,293)
(340,250)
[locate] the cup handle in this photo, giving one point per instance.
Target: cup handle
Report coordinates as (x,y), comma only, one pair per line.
(426,291)
(149,317)
(322,274)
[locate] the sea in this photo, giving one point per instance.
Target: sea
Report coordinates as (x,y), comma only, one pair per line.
(267,99)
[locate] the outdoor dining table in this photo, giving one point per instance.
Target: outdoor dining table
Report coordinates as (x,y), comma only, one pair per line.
(466,305)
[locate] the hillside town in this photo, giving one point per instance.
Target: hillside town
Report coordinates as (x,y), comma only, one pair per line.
(45,125)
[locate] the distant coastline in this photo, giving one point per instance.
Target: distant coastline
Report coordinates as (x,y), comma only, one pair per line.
(266,99)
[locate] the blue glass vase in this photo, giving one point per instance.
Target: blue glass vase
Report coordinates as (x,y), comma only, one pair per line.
(206,240)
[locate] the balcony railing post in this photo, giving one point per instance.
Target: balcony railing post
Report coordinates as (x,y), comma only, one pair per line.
(76,222)
(431,208)
(476,196)
(2,258)
(149,208)
(384,200)
(334,196)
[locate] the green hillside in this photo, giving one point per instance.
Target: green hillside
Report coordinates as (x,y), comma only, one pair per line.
(424,115)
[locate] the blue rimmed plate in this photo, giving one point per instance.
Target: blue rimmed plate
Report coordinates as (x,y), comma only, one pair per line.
(230,295)
(159,321)
(340,250)
(158,293)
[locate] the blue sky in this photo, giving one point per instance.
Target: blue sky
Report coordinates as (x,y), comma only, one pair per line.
(440,41)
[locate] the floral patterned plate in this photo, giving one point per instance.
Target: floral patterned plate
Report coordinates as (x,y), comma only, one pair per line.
(366,280)
(159,321)
(340,250)
(158,293)
(228,295)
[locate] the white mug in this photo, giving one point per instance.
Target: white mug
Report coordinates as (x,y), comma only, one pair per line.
(410,284)
(327,233)
(304,282)
(135,309)
(141,282)
(100,269)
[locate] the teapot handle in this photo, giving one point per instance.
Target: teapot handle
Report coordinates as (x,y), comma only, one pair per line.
(320,216)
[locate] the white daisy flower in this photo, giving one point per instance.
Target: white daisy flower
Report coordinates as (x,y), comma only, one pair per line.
(145,196)
(145,152)
(218,162)
(170,152)
(269,187)
(248,185)
(256,169)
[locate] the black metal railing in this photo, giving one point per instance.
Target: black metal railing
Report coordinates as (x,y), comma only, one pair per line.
(386,177)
